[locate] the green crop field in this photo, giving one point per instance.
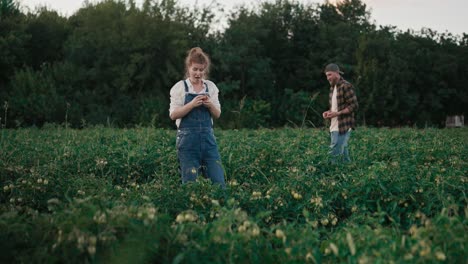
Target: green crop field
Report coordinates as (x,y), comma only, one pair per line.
(104,195)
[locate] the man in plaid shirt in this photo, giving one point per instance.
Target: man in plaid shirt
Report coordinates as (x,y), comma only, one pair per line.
(343,105)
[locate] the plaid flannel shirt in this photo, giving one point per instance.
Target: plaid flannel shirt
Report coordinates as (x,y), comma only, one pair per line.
(346,98)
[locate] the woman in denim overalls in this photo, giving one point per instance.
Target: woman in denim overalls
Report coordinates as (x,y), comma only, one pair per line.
(194,102)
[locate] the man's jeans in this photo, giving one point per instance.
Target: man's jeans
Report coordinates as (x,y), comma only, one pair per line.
(339,147)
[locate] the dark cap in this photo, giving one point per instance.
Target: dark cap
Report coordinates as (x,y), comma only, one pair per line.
(333,68)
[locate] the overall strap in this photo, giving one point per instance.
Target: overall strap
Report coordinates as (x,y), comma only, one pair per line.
(206,85)
(186,86)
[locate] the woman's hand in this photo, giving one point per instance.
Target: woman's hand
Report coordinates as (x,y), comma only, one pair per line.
(198,101)
(215,112)
(207,102)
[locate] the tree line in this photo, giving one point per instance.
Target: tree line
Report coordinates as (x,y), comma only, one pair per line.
(114,63)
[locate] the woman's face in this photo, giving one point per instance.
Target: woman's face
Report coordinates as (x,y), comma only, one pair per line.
(196,72)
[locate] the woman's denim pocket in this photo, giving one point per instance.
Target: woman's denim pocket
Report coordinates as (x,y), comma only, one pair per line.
(211,141)
(186,140)
(179,138)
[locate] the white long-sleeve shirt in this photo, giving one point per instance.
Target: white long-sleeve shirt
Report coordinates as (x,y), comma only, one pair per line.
(178,95)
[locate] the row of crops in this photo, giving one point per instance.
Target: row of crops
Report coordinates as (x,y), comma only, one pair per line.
(104,195)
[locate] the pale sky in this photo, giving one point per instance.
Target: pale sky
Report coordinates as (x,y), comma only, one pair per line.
(439,15)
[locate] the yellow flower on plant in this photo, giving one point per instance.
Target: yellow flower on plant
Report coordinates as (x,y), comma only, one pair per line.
(190,217)
(296,195)
(92,250)
(180,218)
(256,195)
(315,224)
(187,216)
(317,201)
(279,234)
(233,183)
(440,256)
(334,248)
(334,221)
(255,231)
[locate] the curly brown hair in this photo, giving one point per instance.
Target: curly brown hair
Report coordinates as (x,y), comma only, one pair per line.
(196,55)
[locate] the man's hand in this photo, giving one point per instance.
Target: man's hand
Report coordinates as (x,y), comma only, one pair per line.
(333,114)
(329,114)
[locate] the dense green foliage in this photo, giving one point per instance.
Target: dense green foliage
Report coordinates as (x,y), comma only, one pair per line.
(114,62)
(114,196)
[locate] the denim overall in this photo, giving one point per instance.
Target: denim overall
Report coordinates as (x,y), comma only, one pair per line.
(196,145)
